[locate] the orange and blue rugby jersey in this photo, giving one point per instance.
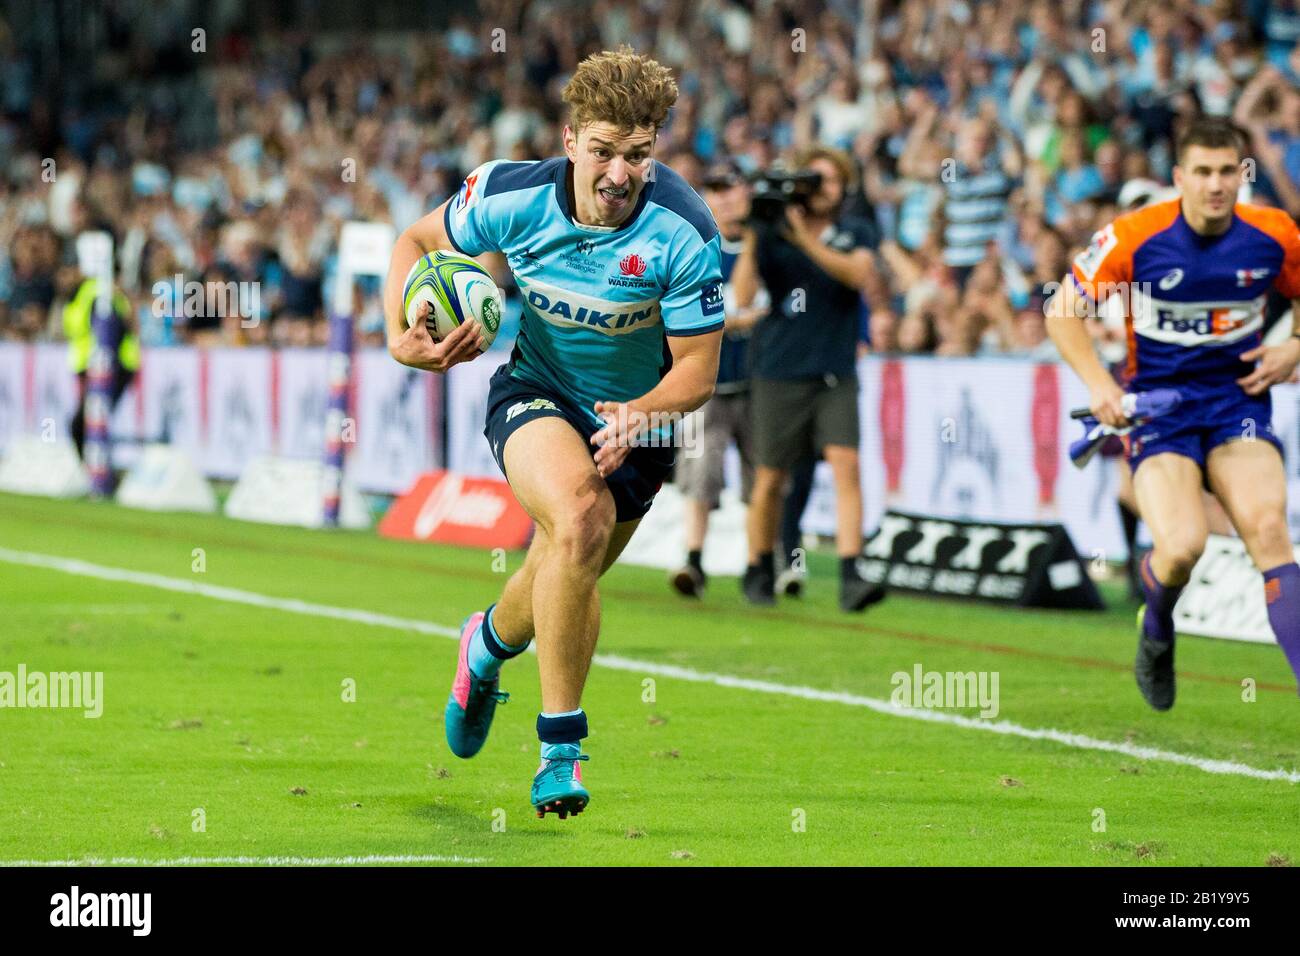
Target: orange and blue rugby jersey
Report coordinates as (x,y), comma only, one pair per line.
(1193,303)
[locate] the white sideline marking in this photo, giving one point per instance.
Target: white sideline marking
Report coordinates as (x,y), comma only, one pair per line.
(244,861)
(614,662)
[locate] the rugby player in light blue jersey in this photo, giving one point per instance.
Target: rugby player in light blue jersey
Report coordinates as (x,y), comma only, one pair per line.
(617,263)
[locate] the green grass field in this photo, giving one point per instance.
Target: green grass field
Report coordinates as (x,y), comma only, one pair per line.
(238,711)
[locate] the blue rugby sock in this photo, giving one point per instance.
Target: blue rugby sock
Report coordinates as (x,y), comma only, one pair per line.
(1282,595)
(487,652)
(1158,621)
(561,730)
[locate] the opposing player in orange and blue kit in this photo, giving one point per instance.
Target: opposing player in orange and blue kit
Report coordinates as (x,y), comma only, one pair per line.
(1193,274)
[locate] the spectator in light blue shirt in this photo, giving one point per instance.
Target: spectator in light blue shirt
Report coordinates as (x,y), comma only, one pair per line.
(1078,179)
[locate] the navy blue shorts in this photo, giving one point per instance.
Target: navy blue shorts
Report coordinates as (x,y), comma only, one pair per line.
(1204,420)
(513,403)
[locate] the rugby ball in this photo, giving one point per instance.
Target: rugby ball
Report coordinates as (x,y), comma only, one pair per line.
(457,289)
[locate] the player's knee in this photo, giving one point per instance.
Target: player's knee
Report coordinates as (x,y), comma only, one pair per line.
(581,535)
(1270,530)
(1181,552)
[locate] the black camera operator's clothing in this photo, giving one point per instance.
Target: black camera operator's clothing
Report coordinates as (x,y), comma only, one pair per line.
(796,419)
(822,337)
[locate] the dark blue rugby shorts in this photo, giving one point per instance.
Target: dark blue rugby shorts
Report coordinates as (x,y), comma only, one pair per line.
(513,403)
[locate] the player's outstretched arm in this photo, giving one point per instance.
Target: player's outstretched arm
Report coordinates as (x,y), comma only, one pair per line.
(1063,313)
(413,345)
(687,386)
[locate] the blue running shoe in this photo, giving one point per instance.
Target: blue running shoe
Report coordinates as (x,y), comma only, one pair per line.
(558,788)
(473,701)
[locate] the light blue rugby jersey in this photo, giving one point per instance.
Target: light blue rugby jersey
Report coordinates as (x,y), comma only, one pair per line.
(597,301)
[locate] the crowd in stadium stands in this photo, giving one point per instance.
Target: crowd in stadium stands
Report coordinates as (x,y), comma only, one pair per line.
(993,138)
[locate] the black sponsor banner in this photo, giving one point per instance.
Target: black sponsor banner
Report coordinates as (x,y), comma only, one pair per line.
(1030,565)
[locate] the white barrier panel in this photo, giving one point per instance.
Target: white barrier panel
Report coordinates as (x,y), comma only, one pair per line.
(54,391)
(301,399)
(127,426)
(962,438)
(1225,595)
(283,491)
(47,468)
(172,382)
(1085,498)
(976,439)
(222,406)
(239,406)
(658,541)
(165,479)
(1286,425)
(398,423)
(467,391)
(14,362)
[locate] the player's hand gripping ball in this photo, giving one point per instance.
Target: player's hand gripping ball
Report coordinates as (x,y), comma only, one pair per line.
(457,289)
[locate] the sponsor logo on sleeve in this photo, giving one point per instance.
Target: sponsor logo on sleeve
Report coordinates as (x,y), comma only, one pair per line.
(1090,260)
(468,196)
(711,299)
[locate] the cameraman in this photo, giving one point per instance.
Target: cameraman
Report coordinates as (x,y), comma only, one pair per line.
(725,417)
(815,265)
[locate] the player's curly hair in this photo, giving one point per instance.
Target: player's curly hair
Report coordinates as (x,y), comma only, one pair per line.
(622,88)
